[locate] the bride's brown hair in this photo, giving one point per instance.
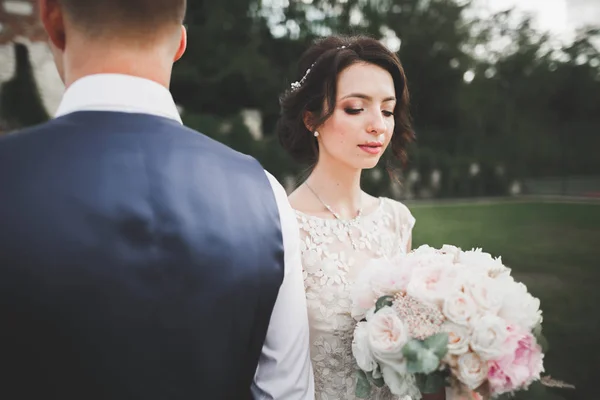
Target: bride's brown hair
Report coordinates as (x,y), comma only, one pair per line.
(319,68)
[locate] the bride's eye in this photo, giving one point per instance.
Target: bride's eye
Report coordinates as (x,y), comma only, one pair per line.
(353,111)
(388,113)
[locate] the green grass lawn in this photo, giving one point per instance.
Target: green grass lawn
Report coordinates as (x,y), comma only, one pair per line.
(555,250)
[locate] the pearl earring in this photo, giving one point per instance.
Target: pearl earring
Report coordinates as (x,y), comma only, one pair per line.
(316,133)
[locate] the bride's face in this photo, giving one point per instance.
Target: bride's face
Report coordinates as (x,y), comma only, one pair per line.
(362,124)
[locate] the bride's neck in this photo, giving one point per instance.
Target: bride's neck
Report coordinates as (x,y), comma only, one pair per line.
(338,187)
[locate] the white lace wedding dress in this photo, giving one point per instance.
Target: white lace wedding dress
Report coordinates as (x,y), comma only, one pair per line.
(331,261)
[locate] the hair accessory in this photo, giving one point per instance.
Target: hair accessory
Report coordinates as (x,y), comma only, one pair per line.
(298,84)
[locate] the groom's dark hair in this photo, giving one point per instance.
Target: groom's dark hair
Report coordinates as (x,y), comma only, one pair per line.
(127,17)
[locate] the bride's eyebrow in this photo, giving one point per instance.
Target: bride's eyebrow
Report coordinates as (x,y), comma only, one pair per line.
(366,97)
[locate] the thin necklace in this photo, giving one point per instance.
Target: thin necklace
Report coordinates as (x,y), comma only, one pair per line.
(347,223)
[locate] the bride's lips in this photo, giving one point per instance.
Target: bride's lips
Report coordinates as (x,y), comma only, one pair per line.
(371,147)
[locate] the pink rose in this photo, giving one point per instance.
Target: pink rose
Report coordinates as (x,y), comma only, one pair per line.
(521,364)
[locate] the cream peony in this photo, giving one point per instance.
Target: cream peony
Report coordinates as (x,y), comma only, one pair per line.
(488,337)
(378,278)
(452,251)
(486,292)
(519,307)
(426,256)
(479,259)
(433,284)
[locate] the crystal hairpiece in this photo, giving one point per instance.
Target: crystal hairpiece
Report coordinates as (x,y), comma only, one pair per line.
(298,84)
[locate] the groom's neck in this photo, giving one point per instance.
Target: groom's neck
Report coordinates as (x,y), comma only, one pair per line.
(148,63)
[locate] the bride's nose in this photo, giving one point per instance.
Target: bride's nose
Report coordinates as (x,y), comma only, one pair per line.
(376,125)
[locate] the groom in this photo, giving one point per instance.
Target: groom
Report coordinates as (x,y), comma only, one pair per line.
(140,259)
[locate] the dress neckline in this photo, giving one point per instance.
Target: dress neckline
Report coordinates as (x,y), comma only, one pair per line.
(332,218)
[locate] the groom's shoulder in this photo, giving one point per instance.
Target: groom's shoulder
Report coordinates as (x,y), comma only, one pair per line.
(218,150)
(76,122)
(18,138)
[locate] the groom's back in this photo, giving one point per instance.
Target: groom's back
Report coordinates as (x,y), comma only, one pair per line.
(138,259)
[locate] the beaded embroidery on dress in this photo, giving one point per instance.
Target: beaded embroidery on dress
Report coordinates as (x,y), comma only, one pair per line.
(330,264)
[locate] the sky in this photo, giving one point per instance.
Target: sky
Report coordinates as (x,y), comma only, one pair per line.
(549,14)
(560,17)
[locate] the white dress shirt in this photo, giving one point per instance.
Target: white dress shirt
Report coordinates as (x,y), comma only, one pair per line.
(284,371)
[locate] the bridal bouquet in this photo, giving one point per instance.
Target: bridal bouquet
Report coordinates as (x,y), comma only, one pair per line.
(438,317)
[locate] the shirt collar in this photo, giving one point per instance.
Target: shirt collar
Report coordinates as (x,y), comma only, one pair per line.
(120,93)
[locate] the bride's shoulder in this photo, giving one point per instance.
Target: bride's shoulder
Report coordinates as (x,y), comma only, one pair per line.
(306,205)
(401,212)
(395,205)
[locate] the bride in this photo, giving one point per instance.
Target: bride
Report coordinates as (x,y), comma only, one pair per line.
(350,104)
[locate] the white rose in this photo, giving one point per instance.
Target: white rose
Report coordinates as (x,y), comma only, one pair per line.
(459,308)
(472,370)
(487,293)
(488,337)
(387,337)
(458,338)
(361,349)
(520,307)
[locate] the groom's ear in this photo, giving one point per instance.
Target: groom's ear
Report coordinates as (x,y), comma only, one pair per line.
(182,44)
(52,18)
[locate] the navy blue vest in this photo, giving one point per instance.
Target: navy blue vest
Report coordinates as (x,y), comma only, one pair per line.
(138,260)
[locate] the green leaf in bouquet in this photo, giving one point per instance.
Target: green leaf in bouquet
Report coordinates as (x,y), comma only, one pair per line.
(543,342)
(419,358)
(363,386)
(411,349)
(379,382)
(540,338)
(383,301)
(438,343)
(425,356)
(537,329)
(431,383)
